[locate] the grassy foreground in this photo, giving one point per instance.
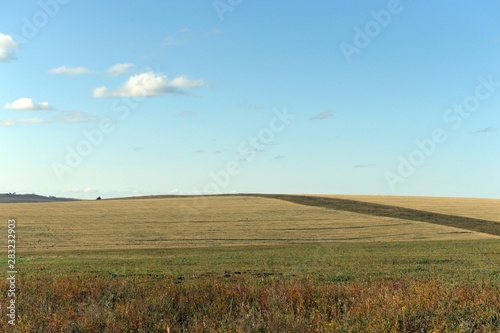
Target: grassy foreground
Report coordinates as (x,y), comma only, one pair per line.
(248,264)
(239,304)
(431,286)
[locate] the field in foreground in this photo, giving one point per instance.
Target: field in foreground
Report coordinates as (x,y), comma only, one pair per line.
(239,304)
(251,264)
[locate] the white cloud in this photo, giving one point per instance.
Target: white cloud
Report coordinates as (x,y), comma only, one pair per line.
(83,190)
(184,82)
(90,190)
(214,31)
(364,166)
(186,114)
(118,69)
(170,40)
(485,130)
(68,117)
(27,104)
(322,115)
(7,47)
(70,70)
(11,122)
(114,70)
(149,84)
(73,117)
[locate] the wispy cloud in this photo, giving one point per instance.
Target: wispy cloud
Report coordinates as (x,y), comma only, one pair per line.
(186,35)
(250,106)
(27,104)
(185,114)
(8,46)
(279,157)
(149,84)
(73,117)
(220,151)
(119,69)
(489,129)
(114,70)
(67,117)
(64,70)
(11,122)
(170,40)
(83,190)
(214,31)
(364,166)
(322,115)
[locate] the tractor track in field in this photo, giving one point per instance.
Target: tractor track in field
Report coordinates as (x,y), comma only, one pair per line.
(374,209)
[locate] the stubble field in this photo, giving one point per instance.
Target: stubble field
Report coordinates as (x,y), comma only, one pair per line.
(257,264)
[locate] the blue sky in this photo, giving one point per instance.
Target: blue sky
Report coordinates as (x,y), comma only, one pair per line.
(121,98)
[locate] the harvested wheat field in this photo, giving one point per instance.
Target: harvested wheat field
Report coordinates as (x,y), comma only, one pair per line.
(208,221)
(488,209)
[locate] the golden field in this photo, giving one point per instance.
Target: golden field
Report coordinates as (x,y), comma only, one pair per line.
(488,209)
(213,221)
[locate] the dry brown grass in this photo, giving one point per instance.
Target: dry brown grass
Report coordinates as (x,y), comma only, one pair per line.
(199,222)
(144,304)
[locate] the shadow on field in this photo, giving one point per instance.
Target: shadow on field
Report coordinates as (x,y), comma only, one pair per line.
(360,207)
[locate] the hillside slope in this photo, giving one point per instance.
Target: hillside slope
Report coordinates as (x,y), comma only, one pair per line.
(376,209)
(187,222)
(485,209)
(29,198)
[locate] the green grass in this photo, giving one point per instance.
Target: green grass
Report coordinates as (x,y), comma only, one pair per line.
(471,260)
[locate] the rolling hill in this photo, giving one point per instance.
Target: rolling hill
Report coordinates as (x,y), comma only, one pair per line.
(29,198)
(230,220)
